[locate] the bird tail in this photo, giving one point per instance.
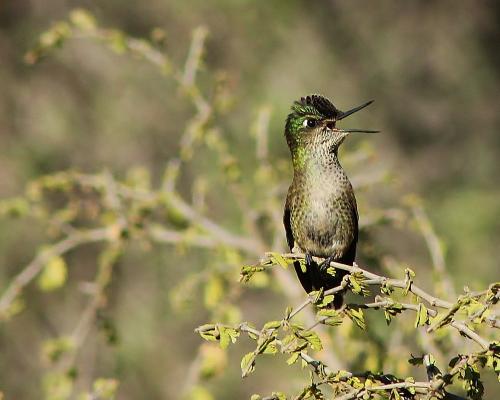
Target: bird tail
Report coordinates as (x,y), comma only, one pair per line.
(313,279)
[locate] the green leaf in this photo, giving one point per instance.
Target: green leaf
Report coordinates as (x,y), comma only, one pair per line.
(409,275)
(333,321)
(279,260)
(288,339)
(357,316)
(199,393)
(326,300)
(312,338)
(57,385)
(316,296)
(55,36)
(224,337)
(355,286)
(208,332)
(54,349)
(334,317)
(355,383)
(388,317)
(303,266)
(356,282)
(82,19)
(392,310)
(214,290)
(247,364)
(395,395)
(105,389)
(270,348)
(422,316)
(233,334)
(327,312)
(252,335)
(212,361)
(248,271)
(272,325)
(118,41)
(266,344)
(297,327)
(386,288)
(16,207)
(293,358)
(53,275)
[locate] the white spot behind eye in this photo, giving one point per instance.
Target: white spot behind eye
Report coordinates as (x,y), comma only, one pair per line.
(309,123)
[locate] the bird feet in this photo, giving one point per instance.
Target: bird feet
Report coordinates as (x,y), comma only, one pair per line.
(326,264)
(309,261)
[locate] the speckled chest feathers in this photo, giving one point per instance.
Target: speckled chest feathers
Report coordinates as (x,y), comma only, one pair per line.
(321,202)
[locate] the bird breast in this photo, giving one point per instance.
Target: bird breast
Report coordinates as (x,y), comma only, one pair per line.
(323,213)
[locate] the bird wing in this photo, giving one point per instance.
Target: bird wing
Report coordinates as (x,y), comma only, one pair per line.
(305,278)
(288,225)
(356,219)
(350,253)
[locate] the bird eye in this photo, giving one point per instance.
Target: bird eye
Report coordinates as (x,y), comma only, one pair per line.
(309,123)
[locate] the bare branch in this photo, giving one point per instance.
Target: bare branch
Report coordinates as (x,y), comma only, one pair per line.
(30,272)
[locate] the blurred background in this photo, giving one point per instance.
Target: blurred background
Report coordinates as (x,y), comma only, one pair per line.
(433,69)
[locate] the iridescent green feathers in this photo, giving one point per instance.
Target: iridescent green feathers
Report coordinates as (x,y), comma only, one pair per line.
(315,106)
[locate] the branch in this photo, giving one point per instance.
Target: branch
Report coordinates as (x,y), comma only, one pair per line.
(374,279)
(407,285)
(30,272)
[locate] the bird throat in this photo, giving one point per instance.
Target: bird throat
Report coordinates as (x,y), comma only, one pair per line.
(318,156)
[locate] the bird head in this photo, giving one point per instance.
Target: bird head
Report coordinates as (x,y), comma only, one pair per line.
(312,122)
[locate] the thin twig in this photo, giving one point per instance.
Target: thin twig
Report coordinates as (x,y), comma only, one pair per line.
(30,272)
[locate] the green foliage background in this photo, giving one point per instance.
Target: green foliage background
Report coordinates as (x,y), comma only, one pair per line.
(432,68)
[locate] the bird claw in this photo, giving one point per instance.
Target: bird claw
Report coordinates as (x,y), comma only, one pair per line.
(309,260)
(326,264)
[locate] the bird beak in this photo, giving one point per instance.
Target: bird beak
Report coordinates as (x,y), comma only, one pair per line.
(344,114)
(357,130)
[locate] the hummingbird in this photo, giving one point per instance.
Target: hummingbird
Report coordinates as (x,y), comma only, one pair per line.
(321,215)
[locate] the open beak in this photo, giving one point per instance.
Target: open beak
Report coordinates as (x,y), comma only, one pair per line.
(344,114)
(357,130)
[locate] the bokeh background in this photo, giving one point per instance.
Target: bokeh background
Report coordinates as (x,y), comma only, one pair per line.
(432,67)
